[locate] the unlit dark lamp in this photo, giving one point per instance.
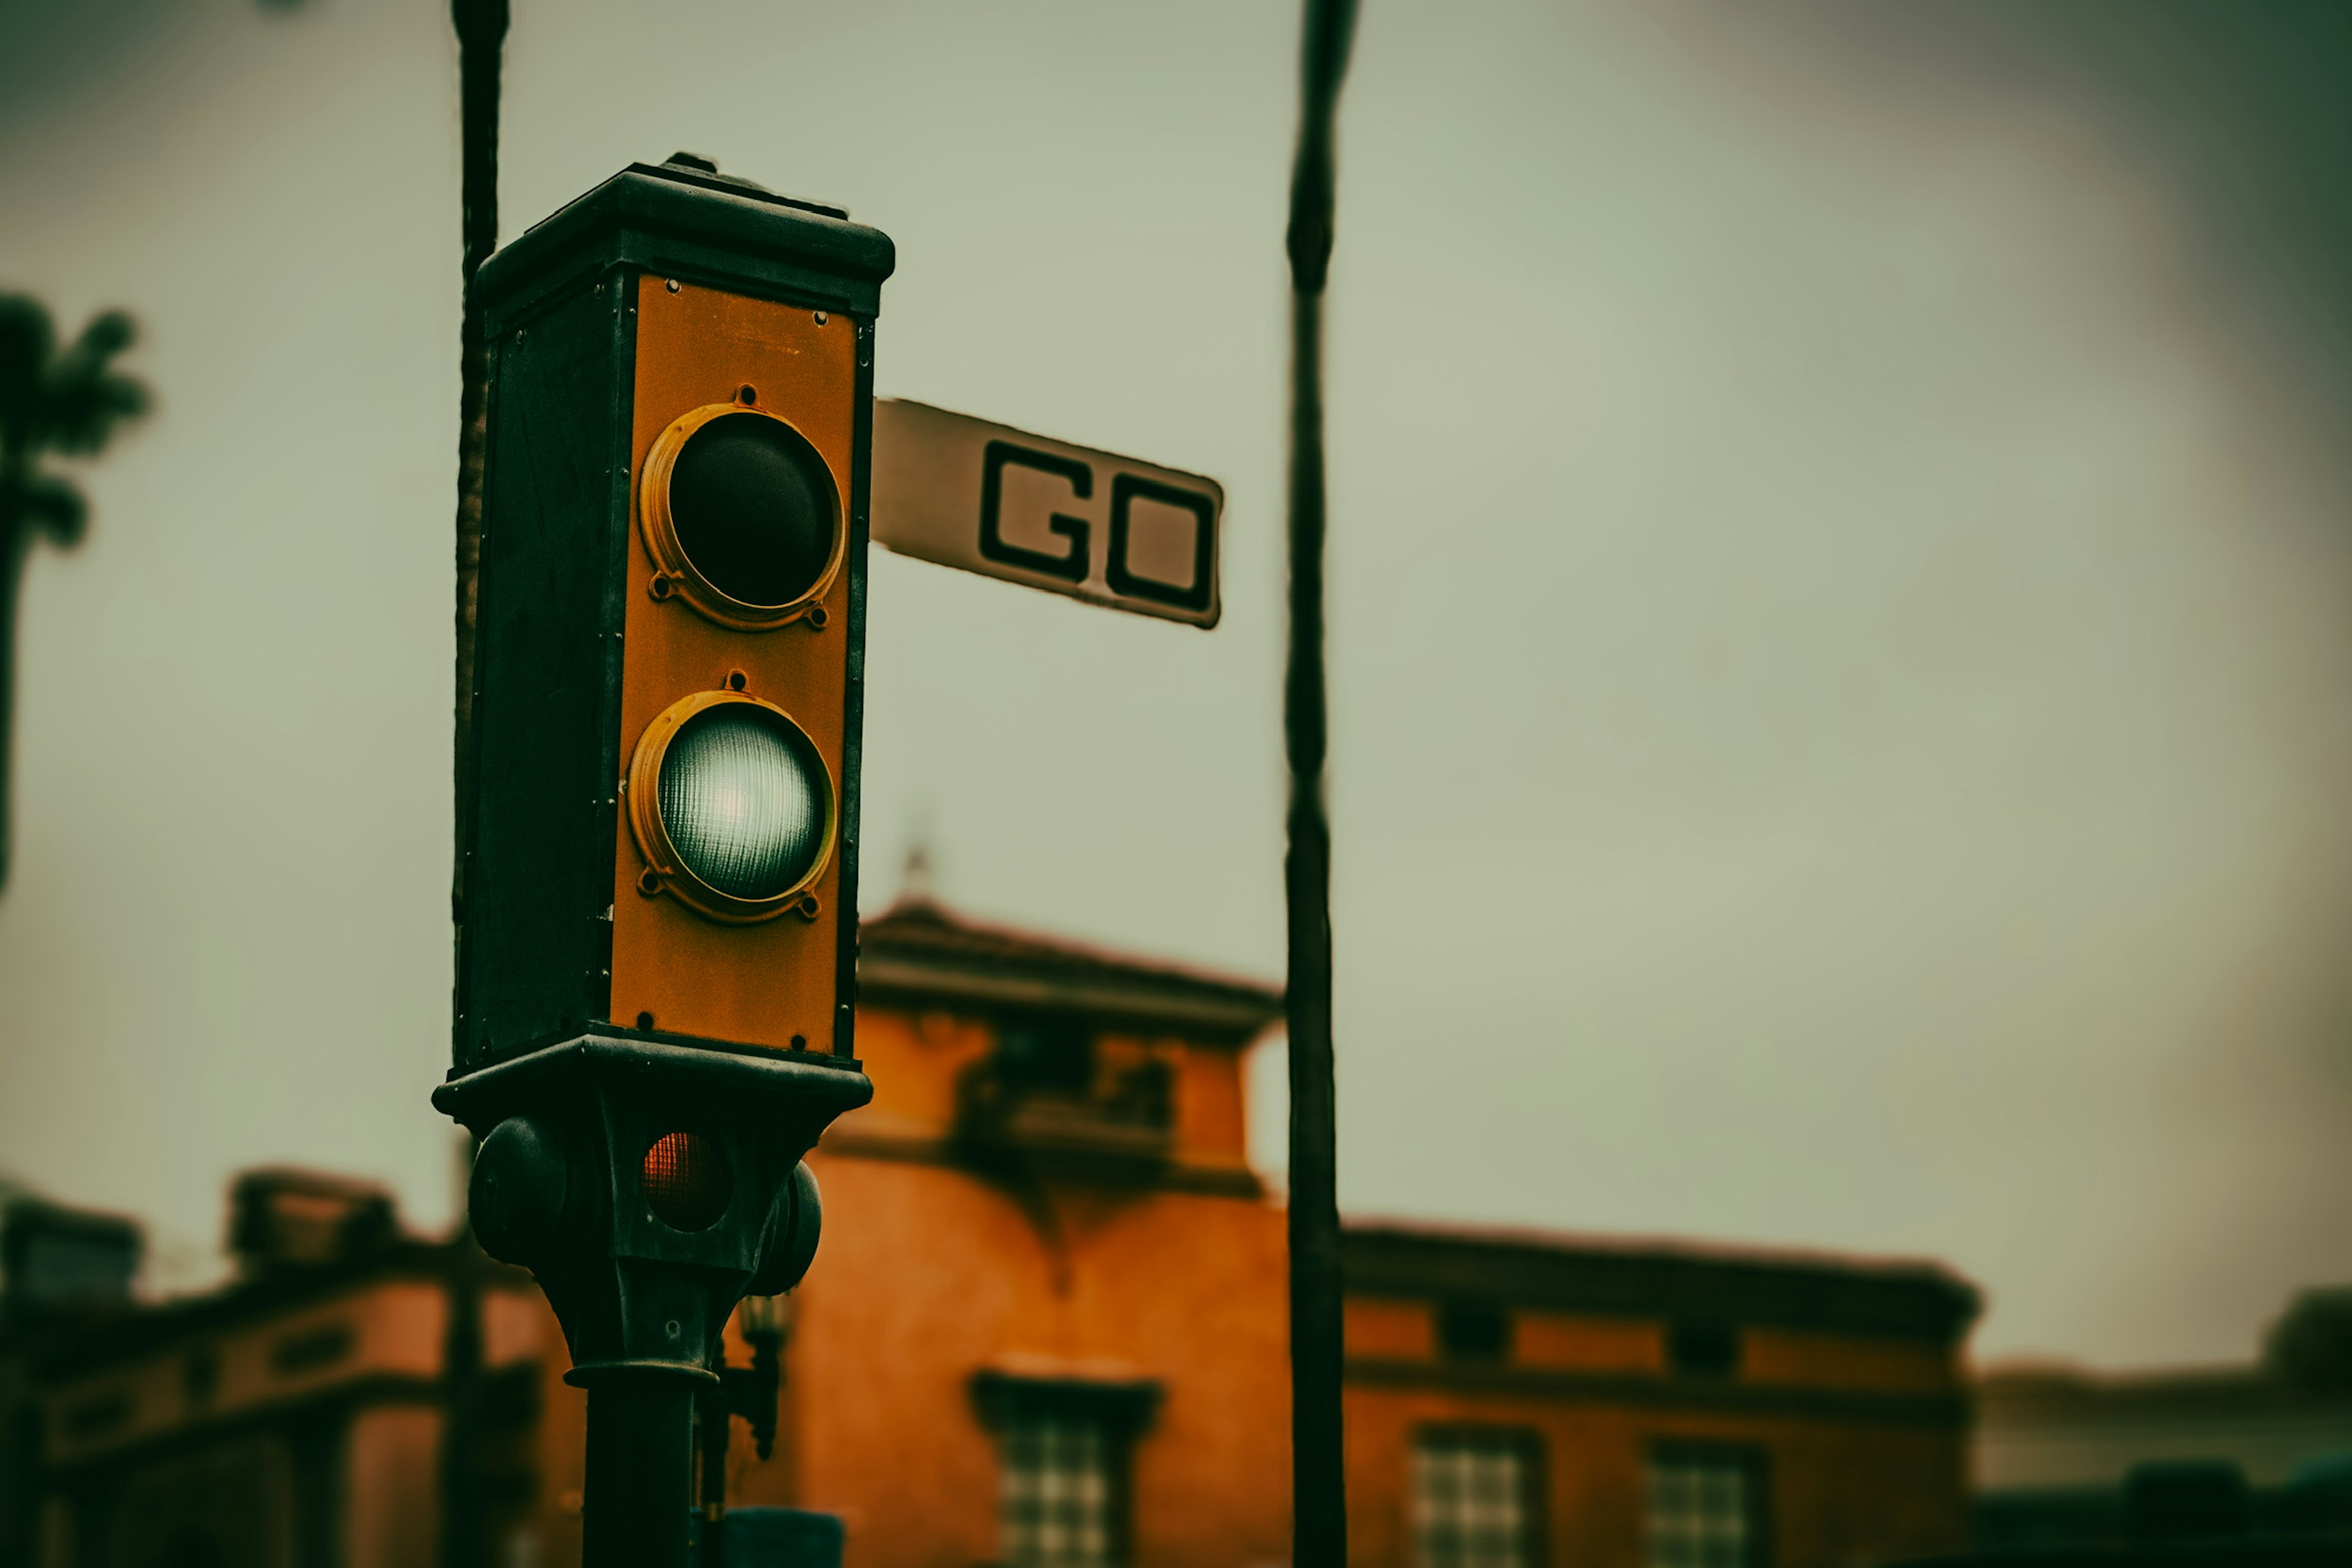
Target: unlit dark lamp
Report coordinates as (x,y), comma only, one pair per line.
(743,517)
(753,509)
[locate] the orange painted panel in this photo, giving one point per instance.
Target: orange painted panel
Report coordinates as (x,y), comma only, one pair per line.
(1375,1327)
(1845,1361)
(1558,1340)
(1212,1127)
(914,1062)
(770,984)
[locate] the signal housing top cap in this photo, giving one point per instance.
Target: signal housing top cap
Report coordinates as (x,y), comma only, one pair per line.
(679,221)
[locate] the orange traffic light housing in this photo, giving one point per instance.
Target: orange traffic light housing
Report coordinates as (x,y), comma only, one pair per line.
(738,640)
(661,824)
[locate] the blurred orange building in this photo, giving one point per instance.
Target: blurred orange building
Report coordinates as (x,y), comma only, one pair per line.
(1046,1328)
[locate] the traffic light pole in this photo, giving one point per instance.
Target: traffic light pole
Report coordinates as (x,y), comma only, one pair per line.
(640,1470)
(650,1036)
(1318,1480)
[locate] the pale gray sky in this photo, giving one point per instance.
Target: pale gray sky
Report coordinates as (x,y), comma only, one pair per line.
(1842,592)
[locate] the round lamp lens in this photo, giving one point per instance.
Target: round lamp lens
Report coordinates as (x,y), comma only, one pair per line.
(743,800)
(685,1182)
(753,506)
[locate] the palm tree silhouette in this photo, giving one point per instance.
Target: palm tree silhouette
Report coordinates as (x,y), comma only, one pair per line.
(66,401)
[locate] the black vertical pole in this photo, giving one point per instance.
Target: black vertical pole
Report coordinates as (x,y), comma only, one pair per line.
(482,29)
(712,1427)
(1318,1478)
(640,1478)
(461,1357)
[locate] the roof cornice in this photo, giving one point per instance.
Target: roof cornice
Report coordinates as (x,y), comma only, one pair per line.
(1648,1278)
(920,955)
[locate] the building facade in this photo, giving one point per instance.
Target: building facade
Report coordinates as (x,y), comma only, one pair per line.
(2069,1458)
(1047,1328)
(297,1417)
(1648,1405)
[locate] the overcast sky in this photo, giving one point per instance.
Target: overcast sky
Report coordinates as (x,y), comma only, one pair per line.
(1842,562)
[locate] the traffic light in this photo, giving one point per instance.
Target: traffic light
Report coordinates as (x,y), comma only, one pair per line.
(663,811)
(657,878)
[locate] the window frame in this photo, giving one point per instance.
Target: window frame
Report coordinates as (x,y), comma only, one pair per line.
(1120,1411)
(1753,1459)
(1535,1479)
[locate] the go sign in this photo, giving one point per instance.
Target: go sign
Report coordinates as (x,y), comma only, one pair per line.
(1004,503)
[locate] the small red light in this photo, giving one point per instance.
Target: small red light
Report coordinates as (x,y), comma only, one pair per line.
(685,1181)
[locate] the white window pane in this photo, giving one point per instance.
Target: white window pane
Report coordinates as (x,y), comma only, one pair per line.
(1057,1494)
(1470,1502)
(1701,1508)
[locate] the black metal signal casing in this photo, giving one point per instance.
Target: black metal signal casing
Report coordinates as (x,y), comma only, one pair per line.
(558,1188)
(646,1166)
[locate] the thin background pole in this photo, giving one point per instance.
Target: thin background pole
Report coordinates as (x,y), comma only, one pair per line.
(1318,1478)
(482,29)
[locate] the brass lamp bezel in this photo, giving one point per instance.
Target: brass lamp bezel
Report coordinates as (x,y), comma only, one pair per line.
(667,870)
(677,573)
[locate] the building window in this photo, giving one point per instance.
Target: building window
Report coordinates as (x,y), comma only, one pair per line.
(1058,1506)
(1064,1445)
(1703,1349)
(1474,1499)
(1705,1508)
(1044,1051)
(1474,1331)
